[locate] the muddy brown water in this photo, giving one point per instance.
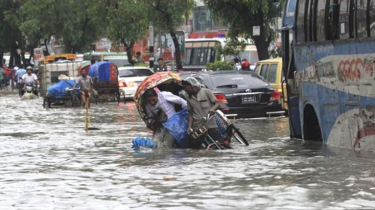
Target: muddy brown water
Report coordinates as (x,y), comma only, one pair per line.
(47,161)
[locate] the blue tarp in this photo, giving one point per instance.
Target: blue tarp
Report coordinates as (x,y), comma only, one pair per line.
(139,142)
(100,71)
(177,125)
(58,89)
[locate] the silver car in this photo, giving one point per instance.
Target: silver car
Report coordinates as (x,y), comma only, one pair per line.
(129,79)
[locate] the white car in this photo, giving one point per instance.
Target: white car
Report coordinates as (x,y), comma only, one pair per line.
(129,79)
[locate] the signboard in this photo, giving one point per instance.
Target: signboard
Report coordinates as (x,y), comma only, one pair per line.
(103,44)
(256,30)
(38,53)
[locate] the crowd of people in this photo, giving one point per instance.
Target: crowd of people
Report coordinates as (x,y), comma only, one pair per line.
(14,78)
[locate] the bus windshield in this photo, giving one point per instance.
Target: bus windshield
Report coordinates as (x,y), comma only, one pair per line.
(200,52)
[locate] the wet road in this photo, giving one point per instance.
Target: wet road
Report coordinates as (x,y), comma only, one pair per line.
(47,161)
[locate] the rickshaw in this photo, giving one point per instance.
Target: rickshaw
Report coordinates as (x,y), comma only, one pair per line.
(105,78)
(169,81)
(62,93)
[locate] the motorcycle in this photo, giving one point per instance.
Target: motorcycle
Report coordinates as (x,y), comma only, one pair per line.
(29,91)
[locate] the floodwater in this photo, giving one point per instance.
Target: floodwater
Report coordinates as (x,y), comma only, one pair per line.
(47,161)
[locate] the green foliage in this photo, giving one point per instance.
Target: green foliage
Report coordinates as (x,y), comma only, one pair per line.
(219,65)
(79,23)
(233,46)
(242,15)
(127,21)
(167,16)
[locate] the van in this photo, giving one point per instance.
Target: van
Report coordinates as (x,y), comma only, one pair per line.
(271,71)
(49,74)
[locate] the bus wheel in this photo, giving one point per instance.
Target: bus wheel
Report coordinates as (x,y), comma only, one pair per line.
(311,127)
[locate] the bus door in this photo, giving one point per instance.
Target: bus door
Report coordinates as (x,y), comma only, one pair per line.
(288,32)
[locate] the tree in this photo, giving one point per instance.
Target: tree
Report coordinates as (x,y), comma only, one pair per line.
(127,23)
(242,15)
(77,23)
(167,16)
(11,38)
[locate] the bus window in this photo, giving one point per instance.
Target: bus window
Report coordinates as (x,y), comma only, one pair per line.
(187,56)
(291,7)
(347,19)
(321,20)
(311,13)
(301,26)
(196,55)
(264,71)
(362,19)
(204,56)
(209,55)
(371,12)
(272,74)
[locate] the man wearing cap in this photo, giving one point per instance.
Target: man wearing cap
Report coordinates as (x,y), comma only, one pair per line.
(201,102)
(30,77)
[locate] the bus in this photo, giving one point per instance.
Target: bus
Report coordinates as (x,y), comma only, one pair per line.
(202,51)
(329,65)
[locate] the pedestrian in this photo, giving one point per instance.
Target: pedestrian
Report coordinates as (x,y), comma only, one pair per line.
(235,62)
(86,84)
(1,78)
(245,65)
(138,58)
(18,77)
(201,102)
(161,66)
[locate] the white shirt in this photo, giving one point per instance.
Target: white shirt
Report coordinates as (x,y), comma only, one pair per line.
(166,102)
(26,78)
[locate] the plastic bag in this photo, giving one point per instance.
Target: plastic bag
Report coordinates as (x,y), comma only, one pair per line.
(139,142)
(177,125)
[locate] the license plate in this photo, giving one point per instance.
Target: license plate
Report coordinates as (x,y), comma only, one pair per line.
(249,99)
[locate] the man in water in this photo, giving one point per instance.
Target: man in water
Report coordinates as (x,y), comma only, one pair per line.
(161,106)
(201,102)
(86,86)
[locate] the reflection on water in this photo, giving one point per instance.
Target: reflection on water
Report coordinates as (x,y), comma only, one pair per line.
(49,162)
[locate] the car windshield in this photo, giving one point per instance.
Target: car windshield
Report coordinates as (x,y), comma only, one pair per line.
(134,72)
(237,81)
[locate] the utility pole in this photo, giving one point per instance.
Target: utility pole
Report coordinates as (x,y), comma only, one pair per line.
(151,45)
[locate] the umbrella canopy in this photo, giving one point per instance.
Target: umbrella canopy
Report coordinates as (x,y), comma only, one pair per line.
(155,80)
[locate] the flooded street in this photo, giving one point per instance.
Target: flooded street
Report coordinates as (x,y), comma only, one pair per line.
(47,161)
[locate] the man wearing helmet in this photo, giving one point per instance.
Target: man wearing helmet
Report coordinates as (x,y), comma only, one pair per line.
(30,77)
(245,65)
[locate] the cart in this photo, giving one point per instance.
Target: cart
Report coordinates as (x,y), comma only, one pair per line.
(105,78)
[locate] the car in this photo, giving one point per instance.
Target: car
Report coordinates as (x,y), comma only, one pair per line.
(241,93)
(271,71)
(130,77)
